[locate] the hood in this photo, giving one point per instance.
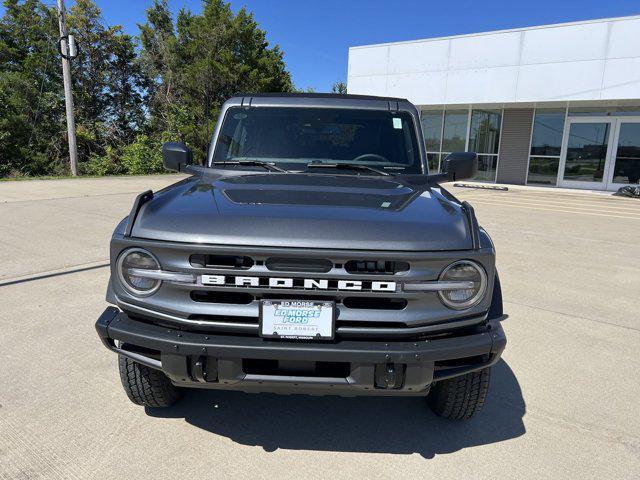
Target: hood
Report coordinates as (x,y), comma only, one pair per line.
(305,211)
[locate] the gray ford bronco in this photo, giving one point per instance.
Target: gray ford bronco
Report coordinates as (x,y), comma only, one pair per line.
(312,253)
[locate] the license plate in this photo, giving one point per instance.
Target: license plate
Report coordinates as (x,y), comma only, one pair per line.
(297,319)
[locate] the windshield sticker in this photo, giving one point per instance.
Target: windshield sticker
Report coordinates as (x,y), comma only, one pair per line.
(397,123)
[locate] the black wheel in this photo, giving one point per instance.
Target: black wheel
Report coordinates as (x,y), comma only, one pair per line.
(460,398)
(146,386)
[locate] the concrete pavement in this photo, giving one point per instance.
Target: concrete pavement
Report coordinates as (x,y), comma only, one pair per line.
(563,401)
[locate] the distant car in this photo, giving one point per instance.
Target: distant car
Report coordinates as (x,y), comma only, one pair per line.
(313,253)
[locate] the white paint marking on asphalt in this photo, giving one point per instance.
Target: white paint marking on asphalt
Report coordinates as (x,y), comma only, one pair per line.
(560,205)
(575,212)
(563,203)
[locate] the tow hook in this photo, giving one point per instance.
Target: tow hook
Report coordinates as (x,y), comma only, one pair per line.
(204,369)
(389,375)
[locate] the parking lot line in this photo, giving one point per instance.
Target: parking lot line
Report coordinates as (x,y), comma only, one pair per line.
(563,201)
(563,210)
(601,208)
(583,198)
(563,204)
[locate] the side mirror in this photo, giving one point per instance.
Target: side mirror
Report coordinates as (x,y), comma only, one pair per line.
(460,165)
(176,156)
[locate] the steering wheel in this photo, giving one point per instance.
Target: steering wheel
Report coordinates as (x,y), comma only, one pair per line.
(372,155)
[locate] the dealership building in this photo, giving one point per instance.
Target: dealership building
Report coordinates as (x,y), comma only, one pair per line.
(555,105)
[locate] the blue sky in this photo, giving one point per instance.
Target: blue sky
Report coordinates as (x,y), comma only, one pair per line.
(316,35)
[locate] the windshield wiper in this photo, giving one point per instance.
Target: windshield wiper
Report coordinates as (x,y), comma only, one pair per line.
(349,166)
(257,163)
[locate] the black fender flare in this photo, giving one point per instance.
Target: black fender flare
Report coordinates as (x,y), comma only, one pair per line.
(495,310)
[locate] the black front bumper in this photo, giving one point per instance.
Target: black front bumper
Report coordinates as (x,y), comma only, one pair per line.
(218,361)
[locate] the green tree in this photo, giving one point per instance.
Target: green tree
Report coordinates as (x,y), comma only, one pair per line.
(125,101)
(142,157)
(128,100)
(194,65)
(31,102)
(158,58)
(107,84)
(339,88)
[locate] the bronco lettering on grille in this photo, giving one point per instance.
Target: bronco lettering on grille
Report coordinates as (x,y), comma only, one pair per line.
(297,283)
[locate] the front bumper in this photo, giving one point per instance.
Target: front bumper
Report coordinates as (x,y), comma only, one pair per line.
(192,359)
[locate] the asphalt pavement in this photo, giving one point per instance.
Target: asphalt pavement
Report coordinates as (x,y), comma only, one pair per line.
(564,401)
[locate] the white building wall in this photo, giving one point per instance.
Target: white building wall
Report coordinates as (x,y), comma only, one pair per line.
(594,60)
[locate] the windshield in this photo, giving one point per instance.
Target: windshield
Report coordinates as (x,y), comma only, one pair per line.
(293,137)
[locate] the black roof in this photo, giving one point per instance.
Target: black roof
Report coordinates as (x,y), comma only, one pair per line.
(321,95)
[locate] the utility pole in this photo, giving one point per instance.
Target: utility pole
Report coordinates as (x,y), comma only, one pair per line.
(68,95)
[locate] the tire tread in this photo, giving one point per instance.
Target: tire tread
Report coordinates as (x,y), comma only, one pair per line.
(460,398)
(146,386)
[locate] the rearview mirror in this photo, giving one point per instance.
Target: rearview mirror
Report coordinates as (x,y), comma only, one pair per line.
(460,165)
(176,156)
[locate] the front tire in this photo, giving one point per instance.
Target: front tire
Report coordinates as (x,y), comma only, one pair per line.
(460,398)
(146,386)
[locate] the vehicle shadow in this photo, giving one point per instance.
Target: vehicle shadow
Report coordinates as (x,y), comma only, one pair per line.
(401,425)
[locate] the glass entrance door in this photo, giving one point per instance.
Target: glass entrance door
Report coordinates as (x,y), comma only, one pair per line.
(600,153)
(625,168)
(585,153)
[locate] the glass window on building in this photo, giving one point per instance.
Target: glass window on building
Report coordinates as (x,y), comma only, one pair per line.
(546,142)
(587,146)
(627,161)
(487,165)
(543,170)
(454,137)
(484,139)
(431,121)
(444,132)
(432,129)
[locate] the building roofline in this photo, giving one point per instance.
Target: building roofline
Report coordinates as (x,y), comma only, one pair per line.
(495,32)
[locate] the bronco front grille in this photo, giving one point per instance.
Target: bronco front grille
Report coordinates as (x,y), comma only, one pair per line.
(378,308)
(235,295)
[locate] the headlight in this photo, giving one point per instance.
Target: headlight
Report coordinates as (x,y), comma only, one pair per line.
(463,271)
(130,264)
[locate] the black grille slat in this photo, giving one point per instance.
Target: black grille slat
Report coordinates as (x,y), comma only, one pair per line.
(225,319)
(231,298)
(375,303)
(375,267)
(233,262)
(302,265)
